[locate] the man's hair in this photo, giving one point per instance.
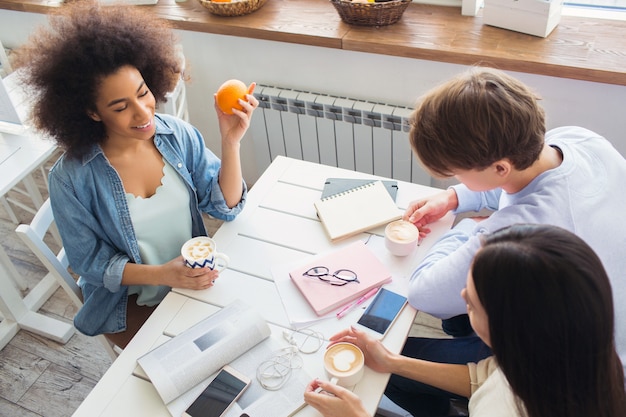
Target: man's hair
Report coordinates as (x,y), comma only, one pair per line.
(551,321)
(64,63)
(476,119)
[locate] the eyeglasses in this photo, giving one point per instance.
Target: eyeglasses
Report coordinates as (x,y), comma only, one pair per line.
(338,278)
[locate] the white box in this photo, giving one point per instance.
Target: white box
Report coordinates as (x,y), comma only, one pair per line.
(534,17)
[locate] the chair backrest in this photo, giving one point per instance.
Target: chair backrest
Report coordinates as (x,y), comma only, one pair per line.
(176,103)
(176,100)
(57,265)
(5,64)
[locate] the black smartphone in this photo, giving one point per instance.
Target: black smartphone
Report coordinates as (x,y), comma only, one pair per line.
(381,313)
(220,394)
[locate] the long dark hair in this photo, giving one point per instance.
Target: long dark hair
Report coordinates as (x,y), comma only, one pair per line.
(551,321)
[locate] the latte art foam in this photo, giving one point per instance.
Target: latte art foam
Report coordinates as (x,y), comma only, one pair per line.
(343,359)
(402,231)
(401,237)
(199,250)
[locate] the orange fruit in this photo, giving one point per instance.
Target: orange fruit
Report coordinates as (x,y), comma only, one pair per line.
(228,95)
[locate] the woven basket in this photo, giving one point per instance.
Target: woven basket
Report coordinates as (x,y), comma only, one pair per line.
(371,14)
(234,8)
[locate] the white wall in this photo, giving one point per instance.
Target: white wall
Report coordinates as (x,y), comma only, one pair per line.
(213,59)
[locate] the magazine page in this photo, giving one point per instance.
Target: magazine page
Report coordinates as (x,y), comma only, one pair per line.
(257,401)
(188,359)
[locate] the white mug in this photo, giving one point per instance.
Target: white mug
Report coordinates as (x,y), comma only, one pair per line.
(344,363)
(201,252)
(401,237)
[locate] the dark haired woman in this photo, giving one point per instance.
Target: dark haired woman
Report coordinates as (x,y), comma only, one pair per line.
(541,299)
(131,185)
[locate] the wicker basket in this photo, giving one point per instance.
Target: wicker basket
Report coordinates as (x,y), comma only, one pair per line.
(234,8)
(371,14)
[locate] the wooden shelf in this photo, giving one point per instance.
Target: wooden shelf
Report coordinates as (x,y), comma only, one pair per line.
(579,48)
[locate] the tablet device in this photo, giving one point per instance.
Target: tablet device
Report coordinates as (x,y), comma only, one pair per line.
(381,313)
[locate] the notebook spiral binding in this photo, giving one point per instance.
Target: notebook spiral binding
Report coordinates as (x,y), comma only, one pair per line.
(360,187)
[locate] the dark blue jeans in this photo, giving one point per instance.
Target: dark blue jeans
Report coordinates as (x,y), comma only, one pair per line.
(423,400)
(457,326)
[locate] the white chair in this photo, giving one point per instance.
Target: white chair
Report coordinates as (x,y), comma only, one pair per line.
(176,103)
(5,64)
(27,189)
(5,69)
(57,265)
(28,185)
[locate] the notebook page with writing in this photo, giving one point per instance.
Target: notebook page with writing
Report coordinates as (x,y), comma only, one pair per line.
(357,210)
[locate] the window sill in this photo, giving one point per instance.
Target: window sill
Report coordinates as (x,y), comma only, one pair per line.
(579,48)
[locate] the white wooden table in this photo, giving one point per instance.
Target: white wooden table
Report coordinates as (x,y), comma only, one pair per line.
(278,226)
(20,154)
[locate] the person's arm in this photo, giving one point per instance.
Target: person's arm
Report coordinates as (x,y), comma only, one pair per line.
(90,249)
(333,401)
(435,285)
(232,128)
(230,177)
(429,210)
(468,200)
(449,377)
(172,274)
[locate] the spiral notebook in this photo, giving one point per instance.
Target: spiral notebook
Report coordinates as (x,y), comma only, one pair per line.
(356,210)
(339,185)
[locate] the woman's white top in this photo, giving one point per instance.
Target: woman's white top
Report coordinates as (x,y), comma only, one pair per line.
(162,223)
(491,393)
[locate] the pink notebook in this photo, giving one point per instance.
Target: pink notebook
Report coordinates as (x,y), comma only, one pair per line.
(357,258)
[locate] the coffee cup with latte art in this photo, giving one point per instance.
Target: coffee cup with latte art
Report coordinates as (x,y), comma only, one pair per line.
(201,252)
(401,237)
(344,364)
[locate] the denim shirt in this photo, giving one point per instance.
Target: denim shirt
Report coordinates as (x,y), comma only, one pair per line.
(91,212)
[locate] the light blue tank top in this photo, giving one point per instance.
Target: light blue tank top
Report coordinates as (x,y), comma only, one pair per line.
(162,223)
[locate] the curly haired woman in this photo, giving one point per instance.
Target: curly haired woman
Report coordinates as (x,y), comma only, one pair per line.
(131,186)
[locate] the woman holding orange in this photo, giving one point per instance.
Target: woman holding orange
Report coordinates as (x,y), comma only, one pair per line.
(132,185)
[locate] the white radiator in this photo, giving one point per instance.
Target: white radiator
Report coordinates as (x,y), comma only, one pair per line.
(357,135)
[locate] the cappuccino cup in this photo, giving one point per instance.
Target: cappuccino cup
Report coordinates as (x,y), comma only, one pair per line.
(201,252)
(344,363)
(401,237)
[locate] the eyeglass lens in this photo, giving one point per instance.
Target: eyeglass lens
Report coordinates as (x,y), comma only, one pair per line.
(339,278)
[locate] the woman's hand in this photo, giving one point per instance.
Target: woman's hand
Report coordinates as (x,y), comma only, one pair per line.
(177,275)
(234,126)
(333,401)
(377,357)
(431,209)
